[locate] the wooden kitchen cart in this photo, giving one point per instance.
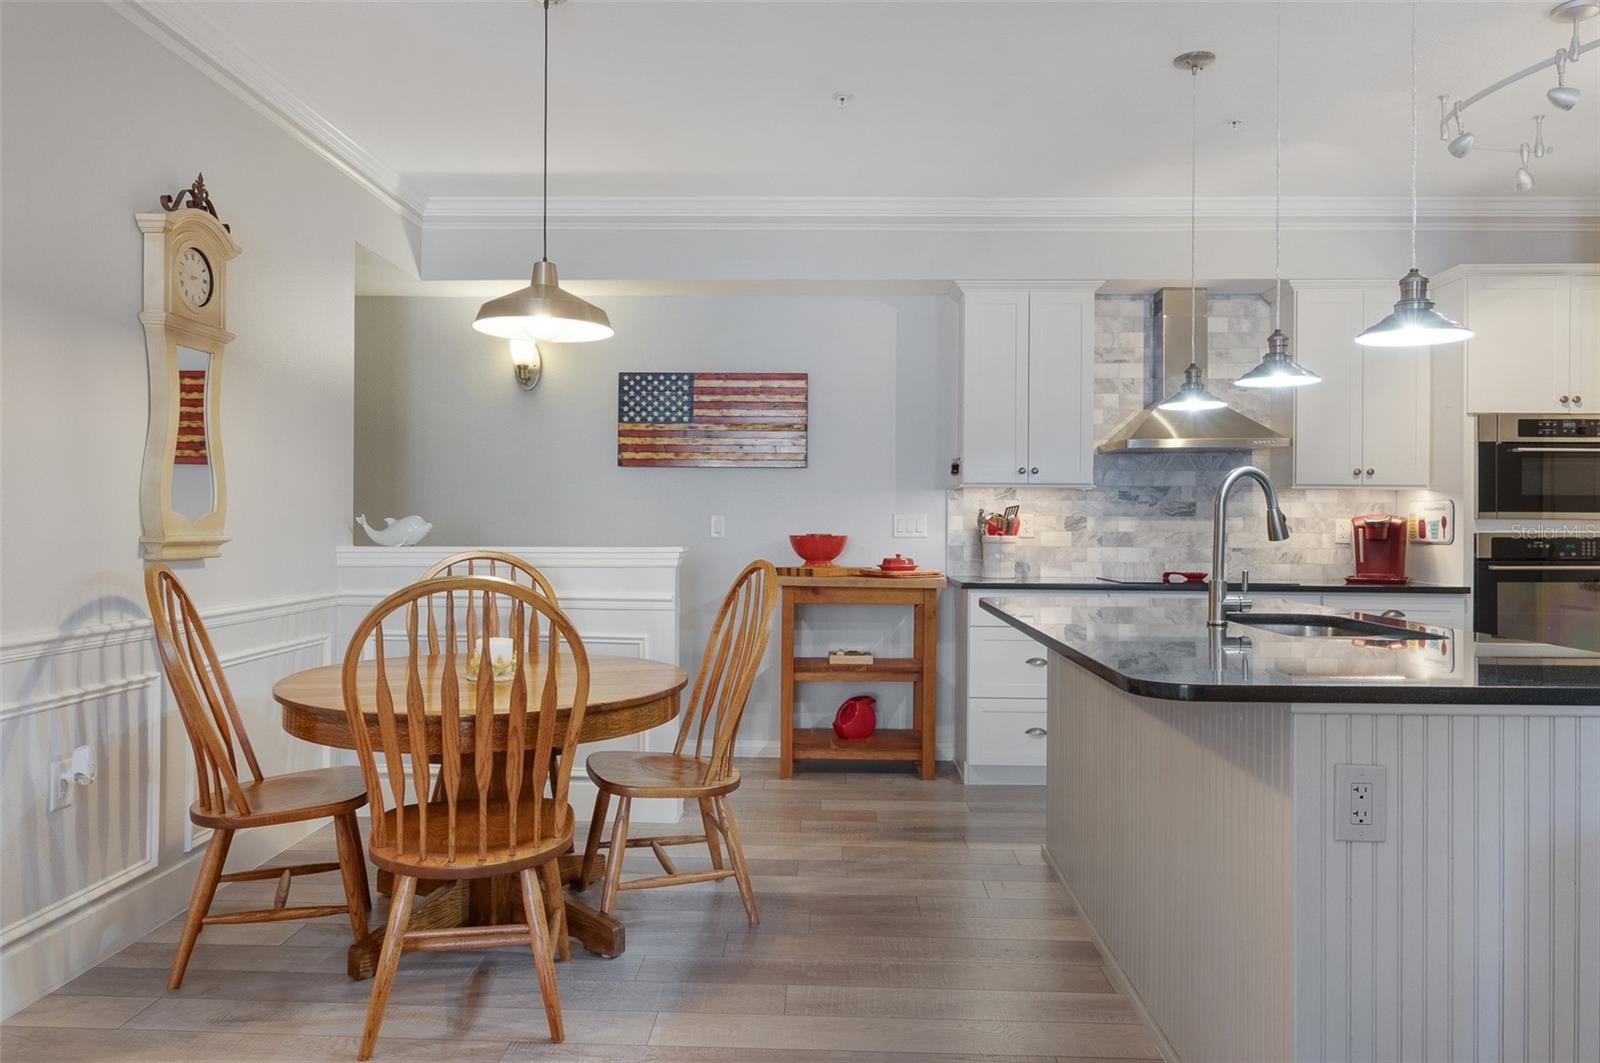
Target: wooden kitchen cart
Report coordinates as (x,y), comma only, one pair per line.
(915,744)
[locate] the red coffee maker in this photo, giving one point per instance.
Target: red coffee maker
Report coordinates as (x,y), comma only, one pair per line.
(1380,545)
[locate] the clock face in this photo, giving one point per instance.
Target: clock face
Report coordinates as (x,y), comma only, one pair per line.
(194,277)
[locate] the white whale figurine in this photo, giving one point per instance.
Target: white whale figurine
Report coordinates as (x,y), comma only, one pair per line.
(408,532)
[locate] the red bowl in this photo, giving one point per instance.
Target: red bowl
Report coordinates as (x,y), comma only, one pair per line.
(817,548)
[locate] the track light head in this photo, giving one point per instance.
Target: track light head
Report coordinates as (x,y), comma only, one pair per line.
(1524,178)
(1461,145)
(1564,97)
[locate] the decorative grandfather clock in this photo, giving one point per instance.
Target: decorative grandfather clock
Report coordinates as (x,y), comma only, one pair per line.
(183,491)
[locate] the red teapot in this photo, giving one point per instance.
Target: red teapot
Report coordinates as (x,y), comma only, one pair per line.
(857,717)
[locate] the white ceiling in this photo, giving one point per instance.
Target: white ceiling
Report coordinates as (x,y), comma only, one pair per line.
(973,99)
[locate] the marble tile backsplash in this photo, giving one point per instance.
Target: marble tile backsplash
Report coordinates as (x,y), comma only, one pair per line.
(1149,512)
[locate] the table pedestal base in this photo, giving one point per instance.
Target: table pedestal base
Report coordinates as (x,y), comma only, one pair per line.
(473,902)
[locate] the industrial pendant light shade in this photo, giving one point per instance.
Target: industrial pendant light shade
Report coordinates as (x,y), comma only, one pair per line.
(1192,397)
(543,311)
(1277,369)
(1414,323)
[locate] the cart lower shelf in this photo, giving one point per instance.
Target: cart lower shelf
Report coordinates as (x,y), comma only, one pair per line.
(820,743)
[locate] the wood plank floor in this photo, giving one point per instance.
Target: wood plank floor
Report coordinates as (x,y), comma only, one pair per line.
(901,921)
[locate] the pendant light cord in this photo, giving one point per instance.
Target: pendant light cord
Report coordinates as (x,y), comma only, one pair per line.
(1413,8)
(1277,166)
(1194,202)
(544,165)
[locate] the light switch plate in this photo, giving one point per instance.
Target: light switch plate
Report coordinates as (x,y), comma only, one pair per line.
(1360,802)
(910,525)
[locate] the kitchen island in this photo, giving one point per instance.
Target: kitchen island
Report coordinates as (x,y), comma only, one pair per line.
(1194,810)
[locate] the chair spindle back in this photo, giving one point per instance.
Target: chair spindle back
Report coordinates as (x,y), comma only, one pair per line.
(440,704)
(732,657)
(484,563)
(205,703)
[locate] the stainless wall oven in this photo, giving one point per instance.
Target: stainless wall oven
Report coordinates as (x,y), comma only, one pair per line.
(1538,589)
(1539,466)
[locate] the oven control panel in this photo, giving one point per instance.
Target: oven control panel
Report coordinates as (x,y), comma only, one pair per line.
(1555,548)
(1558,427)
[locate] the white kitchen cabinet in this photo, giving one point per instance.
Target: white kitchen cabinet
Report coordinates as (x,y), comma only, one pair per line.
(1366,424)
(1027,384)
(1586,343)
(1536,342)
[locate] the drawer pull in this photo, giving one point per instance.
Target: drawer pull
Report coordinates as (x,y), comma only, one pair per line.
(1036,732)
(1037,662)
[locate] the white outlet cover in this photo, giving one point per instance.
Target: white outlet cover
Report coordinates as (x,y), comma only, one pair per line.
(1342,532)
(61,789)
(1348,810)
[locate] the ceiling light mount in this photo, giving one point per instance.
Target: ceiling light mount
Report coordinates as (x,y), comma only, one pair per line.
(1575,10)
(1194,62)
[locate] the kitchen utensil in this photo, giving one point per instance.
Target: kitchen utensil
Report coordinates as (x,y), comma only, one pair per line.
(817,548)
(857,717)
(1175,576)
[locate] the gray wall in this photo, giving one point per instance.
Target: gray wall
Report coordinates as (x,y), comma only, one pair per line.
(442,430)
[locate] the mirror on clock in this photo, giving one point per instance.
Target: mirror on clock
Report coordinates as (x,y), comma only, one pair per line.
(194,492)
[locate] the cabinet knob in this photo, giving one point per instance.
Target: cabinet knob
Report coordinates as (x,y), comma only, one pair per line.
(1369,472)
(1037,662)
(1565,400)
(1355,472)
(1577,400)
(1036,732)
(1034,471)
(1022,470)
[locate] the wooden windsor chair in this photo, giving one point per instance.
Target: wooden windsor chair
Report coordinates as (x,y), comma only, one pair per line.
(733,655)
(225,803)
(493,814)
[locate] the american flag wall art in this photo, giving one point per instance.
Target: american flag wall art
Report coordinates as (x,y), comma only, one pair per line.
(712,420)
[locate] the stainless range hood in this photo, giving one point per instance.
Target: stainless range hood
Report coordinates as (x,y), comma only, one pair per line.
(1177,310)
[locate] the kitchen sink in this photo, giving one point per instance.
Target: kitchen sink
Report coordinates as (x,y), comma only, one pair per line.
(1319,626)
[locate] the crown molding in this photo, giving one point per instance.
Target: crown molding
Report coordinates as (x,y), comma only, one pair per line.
(1062,214)
(181,26)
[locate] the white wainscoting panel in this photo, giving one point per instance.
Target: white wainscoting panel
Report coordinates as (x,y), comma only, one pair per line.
(623,601)
(78,884)
(1473,931)
(1171,824)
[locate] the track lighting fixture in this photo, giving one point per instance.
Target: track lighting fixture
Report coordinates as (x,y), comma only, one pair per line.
(1524,179)
(1564,97)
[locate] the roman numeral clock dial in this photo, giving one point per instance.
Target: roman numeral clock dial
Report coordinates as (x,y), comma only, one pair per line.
(194,277)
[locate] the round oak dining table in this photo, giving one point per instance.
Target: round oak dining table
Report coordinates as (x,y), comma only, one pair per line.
(626,695)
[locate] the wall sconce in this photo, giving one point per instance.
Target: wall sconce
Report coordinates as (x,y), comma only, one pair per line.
(526,363)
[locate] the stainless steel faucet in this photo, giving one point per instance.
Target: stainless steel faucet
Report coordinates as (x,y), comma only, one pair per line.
(1218,600)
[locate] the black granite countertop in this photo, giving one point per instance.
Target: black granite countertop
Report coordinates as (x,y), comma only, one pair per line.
(1166,651)
(1041,583)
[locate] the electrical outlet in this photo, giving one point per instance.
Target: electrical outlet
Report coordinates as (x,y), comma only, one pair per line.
(719,526)
(1360,802)
(910,525)
(1341,531)
(1025,526)
(61,788)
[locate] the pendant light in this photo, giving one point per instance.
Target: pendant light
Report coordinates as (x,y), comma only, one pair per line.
(1277,369)
(544,311)
(1193,397)
(1414,323)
